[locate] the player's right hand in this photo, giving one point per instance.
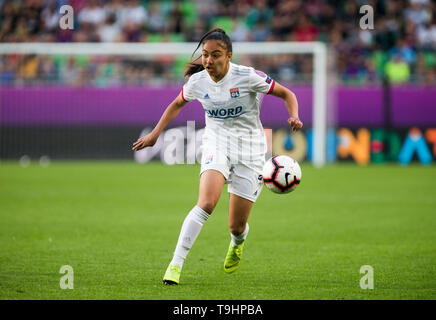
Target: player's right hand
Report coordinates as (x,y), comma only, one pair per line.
(147,141)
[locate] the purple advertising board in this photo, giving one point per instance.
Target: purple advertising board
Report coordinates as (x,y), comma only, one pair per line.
(355,106)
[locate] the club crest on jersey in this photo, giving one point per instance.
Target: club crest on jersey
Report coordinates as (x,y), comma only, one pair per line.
(234,92)
(268,80)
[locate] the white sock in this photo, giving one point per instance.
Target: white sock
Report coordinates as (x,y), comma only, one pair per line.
(239,239)
(190,230)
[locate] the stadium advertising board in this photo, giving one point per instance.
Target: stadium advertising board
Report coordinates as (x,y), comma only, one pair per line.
(363,145)
(99,124)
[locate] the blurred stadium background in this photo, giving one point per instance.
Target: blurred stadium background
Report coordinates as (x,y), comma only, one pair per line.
(381,81)
(112,220)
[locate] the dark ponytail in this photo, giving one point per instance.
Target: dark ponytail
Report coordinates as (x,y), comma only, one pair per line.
(214,34)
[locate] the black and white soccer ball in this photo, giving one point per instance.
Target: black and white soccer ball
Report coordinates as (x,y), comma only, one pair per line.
(281,174)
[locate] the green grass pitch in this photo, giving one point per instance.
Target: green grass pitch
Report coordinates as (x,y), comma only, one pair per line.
(117,223)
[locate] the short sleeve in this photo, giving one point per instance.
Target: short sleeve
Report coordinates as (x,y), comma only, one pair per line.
(260,82)
(188,91)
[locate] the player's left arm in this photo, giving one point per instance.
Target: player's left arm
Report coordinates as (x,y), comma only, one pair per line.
(291,104)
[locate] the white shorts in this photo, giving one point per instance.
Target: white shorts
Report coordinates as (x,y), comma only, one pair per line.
(242,180)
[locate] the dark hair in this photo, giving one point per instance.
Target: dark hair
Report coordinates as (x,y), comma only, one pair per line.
(214,34)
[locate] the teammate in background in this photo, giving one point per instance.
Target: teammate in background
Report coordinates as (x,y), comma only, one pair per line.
(234,144)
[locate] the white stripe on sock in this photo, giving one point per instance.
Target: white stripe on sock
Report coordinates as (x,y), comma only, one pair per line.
(239,239)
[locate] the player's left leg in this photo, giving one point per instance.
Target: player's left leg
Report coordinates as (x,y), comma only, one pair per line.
(239,210)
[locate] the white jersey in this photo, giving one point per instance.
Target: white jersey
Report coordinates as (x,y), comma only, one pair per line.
(232,109)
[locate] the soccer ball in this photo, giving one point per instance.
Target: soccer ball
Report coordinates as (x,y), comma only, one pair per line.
(281,174)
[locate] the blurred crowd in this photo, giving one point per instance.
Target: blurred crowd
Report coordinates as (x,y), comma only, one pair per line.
(401,47)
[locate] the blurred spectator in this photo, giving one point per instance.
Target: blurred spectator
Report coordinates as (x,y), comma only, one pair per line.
(156,21)
(285,17)
(133,14)
(47,70)
(110,31)
(69,71)
(349,14)
(393,16)
(397,70)
(305,30)
(355,69)
(7,70)
(223,18)
(176,23)
(93,13)
(402,45)
(28,69)
(64,35)
(50,16)
(365,38)
(426,35)
(418,12)
(384,36)
(114,7)
(405,51)
(260,31)
(240,31)
(260,12)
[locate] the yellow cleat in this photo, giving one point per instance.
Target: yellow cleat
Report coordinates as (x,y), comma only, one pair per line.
(233,258)
(172,275)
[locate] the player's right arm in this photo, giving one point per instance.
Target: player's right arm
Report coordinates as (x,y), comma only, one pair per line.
(170,113)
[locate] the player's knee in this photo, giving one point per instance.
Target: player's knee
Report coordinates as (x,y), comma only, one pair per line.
(207,205)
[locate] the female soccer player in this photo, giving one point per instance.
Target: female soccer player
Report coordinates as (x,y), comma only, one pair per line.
(234,143)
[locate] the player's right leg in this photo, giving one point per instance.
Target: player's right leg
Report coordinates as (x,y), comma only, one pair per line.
(246,185)
(239,210)
(211,184)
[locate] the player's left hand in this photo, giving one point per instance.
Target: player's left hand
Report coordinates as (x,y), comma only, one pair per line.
(295,123)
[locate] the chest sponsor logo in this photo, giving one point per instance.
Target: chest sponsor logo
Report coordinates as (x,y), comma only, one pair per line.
(234,92)
(224,113)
